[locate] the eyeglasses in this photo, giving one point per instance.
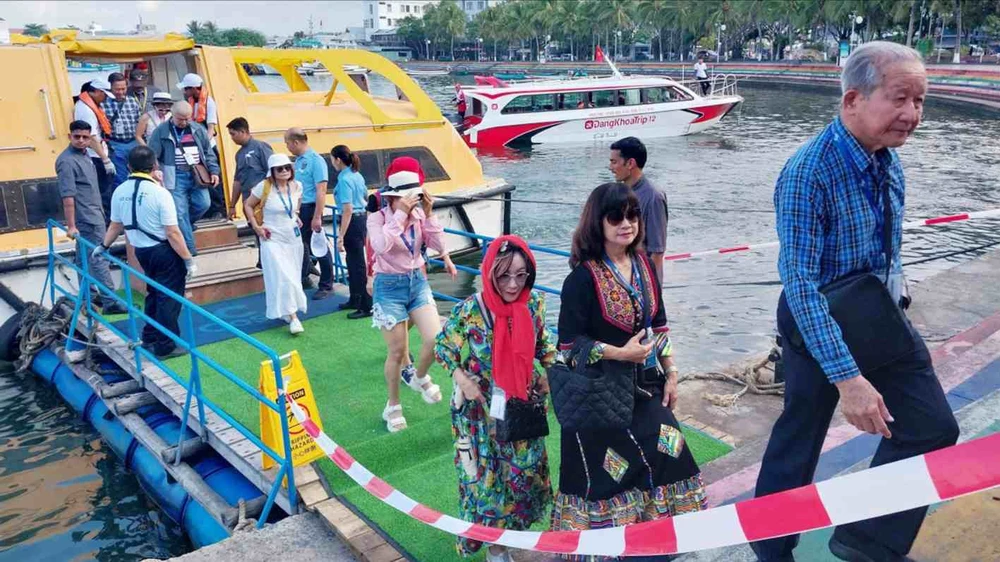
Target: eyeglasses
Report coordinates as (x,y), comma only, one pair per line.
(616,216)
(285,168)
(517,278)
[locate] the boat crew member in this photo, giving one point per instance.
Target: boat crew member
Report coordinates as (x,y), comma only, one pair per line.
(140,89)
(159,114)
(701,74)
(251,162)
(311,171)
(839,210)
(88,108)
(81,200)
(123,113)
(628,158)
(205,113)
(351,194)
(180,145)
(251,166)
(145,211)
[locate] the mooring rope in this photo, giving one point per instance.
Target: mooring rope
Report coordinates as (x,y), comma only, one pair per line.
(40,327)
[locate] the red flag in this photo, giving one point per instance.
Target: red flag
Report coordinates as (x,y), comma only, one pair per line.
(598,54)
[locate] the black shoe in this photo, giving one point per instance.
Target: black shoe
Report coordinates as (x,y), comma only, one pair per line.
(852,549)
(347,306)
(307,284)
(113,307)
(175,352)
(321,294)
(359,314)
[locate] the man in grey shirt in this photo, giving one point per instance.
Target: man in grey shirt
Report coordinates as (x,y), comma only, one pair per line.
(81,199)
(628,157)
(251,162)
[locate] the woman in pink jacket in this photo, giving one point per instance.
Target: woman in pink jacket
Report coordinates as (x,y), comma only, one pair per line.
(397,233)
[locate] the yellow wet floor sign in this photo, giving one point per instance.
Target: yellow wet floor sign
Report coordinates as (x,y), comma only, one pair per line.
(296,381)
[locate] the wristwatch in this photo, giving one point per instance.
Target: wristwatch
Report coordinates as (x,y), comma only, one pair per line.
(673,369)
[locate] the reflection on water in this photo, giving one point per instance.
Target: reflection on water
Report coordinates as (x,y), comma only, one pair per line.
(62,495)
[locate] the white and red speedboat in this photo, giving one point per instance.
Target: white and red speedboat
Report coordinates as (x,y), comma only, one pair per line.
(495,113)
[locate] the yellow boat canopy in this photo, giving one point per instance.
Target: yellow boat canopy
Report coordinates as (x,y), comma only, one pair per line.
(66,40)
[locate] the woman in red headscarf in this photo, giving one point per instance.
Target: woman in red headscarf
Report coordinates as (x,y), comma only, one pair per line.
(501,483)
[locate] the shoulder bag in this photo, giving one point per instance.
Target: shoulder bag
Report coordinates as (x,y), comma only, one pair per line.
(873,326)
(258,210)
(590,397)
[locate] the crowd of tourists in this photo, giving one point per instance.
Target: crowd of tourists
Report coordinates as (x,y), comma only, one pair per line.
(839,208)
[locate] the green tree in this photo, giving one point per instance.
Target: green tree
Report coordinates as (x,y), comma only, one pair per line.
(449,20)
(35,29)
(413,33)
(238,36)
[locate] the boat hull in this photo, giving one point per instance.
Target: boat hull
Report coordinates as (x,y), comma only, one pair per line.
(590,125)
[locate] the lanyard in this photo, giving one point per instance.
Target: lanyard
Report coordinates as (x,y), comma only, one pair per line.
(412,243)
(178,133)
(287,206)
(638,295)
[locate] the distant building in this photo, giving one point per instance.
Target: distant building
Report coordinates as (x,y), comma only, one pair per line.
(386,14)
(473,7)
(4,32)
(332,40)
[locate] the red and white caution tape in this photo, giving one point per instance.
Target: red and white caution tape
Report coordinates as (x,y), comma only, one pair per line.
(916,482)
(912,224)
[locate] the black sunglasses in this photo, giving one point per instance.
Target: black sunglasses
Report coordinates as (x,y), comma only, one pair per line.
(616,216)
(284,168)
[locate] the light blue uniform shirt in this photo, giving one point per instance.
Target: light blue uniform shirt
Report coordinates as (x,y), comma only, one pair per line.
(310,169)
(351,189)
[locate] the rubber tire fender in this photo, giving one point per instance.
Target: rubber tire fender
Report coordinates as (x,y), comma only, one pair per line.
(10,343)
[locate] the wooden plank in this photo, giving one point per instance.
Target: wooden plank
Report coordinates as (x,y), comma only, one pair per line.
(312,493)
(382,553)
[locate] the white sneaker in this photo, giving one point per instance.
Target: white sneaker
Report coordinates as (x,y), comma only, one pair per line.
(502,557)
(295,327)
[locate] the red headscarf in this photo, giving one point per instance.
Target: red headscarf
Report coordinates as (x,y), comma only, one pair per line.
(513,328)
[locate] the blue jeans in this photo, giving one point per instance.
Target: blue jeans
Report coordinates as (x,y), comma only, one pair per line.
(119,155)
(396,295)
(191,202)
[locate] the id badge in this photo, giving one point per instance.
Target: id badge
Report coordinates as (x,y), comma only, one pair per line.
(298,231)
(189,156)
(498,403)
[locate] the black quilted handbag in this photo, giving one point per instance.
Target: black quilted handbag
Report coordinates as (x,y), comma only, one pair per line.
(589,397)
(523,419)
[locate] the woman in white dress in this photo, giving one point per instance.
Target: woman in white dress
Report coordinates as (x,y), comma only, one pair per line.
(279,197)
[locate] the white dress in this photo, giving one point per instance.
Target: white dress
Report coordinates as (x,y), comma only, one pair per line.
(281,256)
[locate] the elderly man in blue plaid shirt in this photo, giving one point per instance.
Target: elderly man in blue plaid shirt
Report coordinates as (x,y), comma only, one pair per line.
(829,202)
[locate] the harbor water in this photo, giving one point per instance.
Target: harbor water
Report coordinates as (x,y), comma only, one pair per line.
(64,496)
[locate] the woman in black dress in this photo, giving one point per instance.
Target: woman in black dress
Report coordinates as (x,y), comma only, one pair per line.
(614,477)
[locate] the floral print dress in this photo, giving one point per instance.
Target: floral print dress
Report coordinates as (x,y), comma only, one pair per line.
(504,485)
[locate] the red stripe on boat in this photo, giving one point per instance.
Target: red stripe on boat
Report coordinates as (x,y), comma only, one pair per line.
(500,136)
(961,469)
(709,112)
(379,488)
(558,541)
(783,513)
(653,537)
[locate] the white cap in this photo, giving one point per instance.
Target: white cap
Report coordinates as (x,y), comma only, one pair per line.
(162,97)
(190,80)
(277,159)
(402,178)
(101,85)
(318,244)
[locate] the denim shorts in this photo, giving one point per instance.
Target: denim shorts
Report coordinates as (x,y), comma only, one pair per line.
(396,295)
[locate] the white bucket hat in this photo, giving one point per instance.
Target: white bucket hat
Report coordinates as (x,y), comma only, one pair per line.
(319,244)
(162,97)
(190,80)
(277,159)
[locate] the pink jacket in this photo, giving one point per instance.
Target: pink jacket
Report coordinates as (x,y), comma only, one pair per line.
(386,233)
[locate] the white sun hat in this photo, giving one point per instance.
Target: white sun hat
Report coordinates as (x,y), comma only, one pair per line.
(319,244)
(278,159)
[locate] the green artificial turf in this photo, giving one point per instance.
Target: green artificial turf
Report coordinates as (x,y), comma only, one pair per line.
(344,361)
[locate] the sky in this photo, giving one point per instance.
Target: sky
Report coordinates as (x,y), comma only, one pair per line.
(172,15)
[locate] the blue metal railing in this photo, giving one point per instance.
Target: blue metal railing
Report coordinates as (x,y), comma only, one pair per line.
(193,383)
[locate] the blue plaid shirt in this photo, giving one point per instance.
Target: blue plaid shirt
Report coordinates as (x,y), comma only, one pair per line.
(829,222)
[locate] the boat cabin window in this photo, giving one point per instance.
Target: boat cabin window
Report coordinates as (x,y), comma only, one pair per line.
(520,104)
(628,97)
(664,95)
(528,104)
(573,100)
(477,107)
(375,162)
(604,98)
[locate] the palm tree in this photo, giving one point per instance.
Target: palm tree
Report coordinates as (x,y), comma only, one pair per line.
(35,29)
(193,28)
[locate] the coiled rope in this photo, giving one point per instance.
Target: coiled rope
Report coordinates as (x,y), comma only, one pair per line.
(40,327)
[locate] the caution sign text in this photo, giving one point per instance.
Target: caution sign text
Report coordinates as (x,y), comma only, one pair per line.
(296,382)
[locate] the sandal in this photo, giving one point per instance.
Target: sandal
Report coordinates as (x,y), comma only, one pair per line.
(431,394)
(394,423)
